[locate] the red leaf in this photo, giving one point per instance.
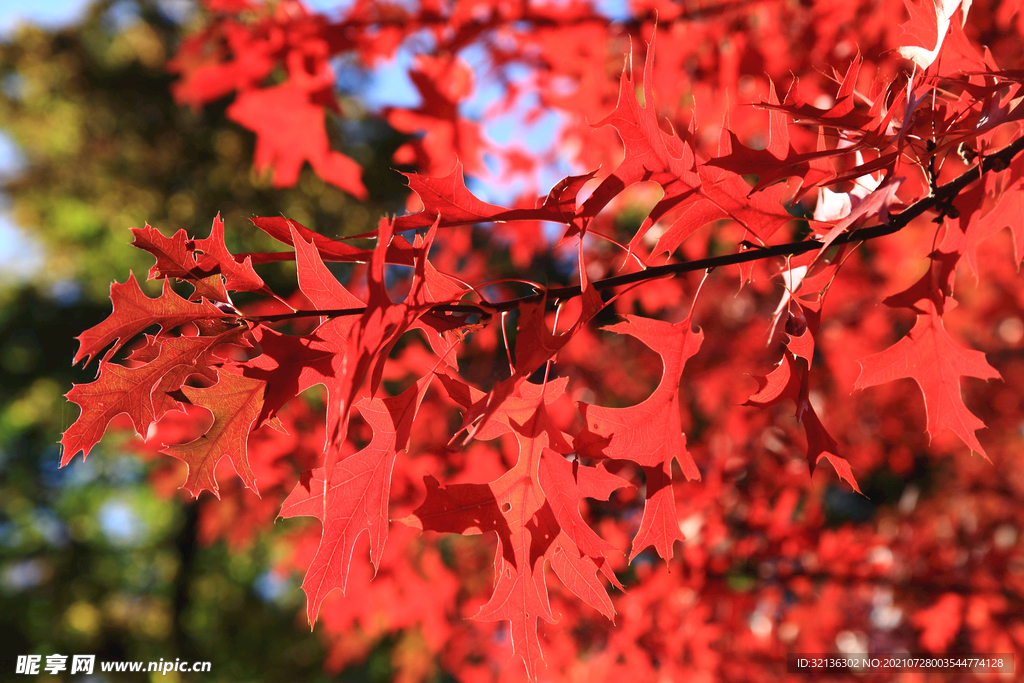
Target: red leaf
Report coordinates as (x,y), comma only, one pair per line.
(290,130)
(235,402)
(174,256)
(535,346)
(515,507)
(931,357)
(660,524)
(820,444)
(533,509)
(441,331)
(564,490)
(289,365)
(133,312)
(791,380)
(650,153)
(776,161)
(517,407)
(399,251)
(941,622)
(238,275)
(922,27)
(444,135)
(520,594)
(579,574)
(649,433)
(843,114)
(356,496)
(206,77)
(447,200)
(723,195)
(376,332)
(131,390)
(927,28)
(875,203)
(781,383)
(1008,212)
(467,509)
(318,284)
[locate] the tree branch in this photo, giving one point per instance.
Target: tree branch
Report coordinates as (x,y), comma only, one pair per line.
(942,195)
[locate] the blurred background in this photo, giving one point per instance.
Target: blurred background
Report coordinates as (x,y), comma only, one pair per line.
(92,560)
(96,558)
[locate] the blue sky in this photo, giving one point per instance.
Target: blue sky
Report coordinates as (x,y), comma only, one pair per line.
(48,13)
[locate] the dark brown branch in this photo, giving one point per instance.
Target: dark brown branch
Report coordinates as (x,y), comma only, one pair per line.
(943,195)
(459,309)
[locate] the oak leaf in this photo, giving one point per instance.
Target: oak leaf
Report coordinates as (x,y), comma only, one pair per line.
(355,497)
(649,433)
(791,380)
(133,312)
(930,356)
(289,129)
(650,152)
(281,229)
(235,402)
(137,392)
(533,508)
(239,276)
